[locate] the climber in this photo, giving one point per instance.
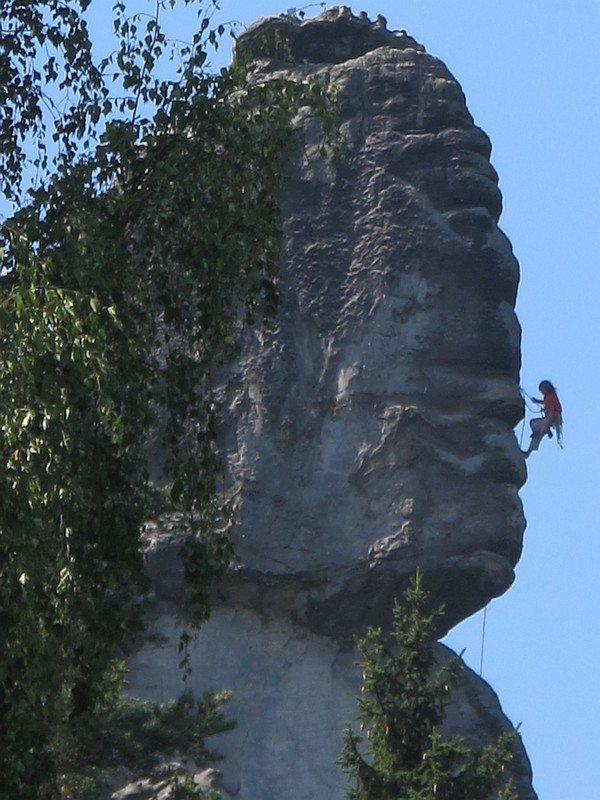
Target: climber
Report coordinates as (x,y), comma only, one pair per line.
(552,418)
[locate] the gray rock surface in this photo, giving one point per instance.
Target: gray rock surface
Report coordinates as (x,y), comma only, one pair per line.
(294,691)
(368,430)
(370,427)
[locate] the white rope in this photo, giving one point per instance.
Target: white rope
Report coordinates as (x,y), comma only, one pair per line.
(483,640)
(533,409)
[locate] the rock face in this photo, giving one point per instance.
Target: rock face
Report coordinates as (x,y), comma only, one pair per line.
(368,429)
(371,426)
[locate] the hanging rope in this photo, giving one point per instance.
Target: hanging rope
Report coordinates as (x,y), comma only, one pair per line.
(483,640)
(533,409)
(521,434)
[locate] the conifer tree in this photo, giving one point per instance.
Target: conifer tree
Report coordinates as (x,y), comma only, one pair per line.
(402,706)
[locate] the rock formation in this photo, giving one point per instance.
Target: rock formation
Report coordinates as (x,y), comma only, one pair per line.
(368,430)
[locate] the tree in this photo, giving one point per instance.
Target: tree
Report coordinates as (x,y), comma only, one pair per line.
(402,707)
(146,230)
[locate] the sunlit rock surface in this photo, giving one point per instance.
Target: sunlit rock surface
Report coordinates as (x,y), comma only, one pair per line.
(368,430)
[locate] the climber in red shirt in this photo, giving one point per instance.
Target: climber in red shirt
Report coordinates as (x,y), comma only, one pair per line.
(552,417)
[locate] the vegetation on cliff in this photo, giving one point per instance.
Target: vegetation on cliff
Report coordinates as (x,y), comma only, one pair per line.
(144,228)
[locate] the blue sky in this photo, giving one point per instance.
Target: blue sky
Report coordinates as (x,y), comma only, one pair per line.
(530,74)
(529,70)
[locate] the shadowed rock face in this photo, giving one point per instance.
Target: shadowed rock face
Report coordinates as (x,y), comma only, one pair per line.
(370,427)
(368,430)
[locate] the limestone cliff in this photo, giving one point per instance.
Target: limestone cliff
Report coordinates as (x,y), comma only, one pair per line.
(367,430)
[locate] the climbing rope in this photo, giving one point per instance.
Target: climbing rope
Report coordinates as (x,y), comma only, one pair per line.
(483,640)
(521,434)
(533,409)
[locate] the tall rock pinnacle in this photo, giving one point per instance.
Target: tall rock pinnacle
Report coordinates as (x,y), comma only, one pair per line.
(371,426)
(368,429)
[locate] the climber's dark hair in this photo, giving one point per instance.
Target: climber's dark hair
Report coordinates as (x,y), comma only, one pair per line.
(549,384)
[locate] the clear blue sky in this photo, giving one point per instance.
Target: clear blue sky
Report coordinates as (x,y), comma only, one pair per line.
(529,69)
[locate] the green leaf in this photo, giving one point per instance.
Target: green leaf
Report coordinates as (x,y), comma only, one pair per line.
(150,221)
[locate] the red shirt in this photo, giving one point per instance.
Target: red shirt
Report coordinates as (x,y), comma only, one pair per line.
(552,403)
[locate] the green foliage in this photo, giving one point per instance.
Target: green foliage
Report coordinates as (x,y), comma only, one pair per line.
(150,233)
(120,729)
(402,707)
(186,789)
(45,47)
